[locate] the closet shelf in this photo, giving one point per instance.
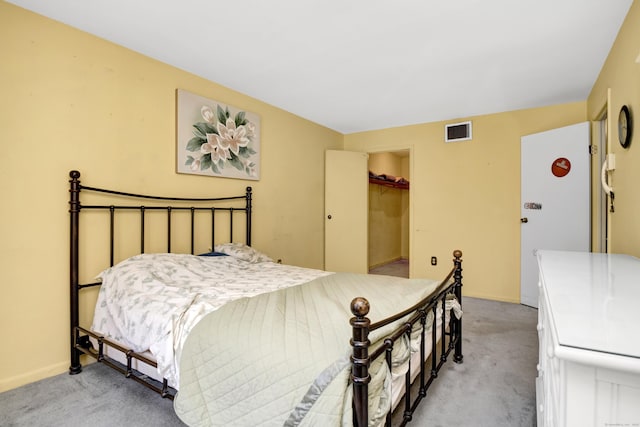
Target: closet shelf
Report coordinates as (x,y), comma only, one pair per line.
(403,185)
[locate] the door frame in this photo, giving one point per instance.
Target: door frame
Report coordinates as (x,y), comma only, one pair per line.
(391,149)
(601,218)
(599,208)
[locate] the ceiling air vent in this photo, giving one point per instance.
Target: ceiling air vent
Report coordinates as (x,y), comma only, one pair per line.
(457,132)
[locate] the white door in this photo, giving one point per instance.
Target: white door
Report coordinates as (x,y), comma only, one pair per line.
(346,205)
(555,207)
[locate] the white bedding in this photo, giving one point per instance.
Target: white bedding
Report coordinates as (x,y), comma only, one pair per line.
(399,372)
(152,301)
(283,358)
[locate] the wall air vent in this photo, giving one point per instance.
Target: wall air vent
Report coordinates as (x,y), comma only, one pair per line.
(457,132)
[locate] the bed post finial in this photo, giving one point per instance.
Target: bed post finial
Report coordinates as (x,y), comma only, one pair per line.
(457,278)
(360,307)
(74,211)
(360,360)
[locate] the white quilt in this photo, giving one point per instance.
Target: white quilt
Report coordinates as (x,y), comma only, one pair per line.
(283,358)
(152,301)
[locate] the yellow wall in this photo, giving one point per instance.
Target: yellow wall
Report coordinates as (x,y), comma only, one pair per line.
(466,195)
(386,163)
(621,75)
(69,100)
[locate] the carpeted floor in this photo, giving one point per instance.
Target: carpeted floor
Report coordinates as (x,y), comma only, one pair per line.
(98,397)
(494,387)
(399,268)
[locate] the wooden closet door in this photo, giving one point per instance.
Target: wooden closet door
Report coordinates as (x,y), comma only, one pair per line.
(346,211)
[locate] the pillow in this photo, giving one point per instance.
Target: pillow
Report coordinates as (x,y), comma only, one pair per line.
(213,254)
(243,252)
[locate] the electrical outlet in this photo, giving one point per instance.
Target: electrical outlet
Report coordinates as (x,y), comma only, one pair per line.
(434,260)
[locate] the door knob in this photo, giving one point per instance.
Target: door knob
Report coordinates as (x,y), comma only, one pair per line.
(524,220)
(328,216)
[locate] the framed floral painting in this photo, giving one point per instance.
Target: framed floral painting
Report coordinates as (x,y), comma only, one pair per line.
(215,139)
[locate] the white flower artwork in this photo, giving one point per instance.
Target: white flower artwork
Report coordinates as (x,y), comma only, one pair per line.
(215,139)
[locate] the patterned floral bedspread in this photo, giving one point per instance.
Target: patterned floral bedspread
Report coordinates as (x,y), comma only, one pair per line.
(152,301)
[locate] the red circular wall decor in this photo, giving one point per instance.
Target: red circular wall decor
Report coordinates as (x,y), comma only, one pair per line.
(560,167)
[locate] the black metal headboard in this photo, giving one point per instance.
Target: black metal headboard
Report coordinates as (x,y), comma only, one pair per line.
(133,202)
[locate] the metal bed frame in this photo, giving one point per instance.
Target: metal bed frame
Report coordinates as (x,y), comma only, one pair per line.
(450,340)
(80,337)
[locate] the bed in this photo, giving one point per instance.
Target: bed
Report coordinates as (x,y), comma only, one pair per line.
(242,339)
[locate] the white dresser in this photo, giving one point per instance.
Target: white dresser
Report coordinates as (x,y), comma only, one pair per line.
(589,332)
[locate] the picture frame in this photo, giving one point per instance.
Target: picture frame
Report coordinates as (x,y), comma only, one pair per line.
(215,139)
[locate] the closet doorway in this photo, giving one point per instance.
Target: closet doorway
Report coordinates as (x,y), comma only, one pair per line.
(389,212)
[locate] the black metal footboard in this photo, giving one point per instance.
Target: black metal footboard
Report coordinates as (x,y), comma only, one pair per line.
(80,338)
(450,340)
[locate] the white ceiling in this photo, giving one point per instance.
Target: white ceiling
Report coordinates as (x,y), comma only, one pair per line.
(356,65)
